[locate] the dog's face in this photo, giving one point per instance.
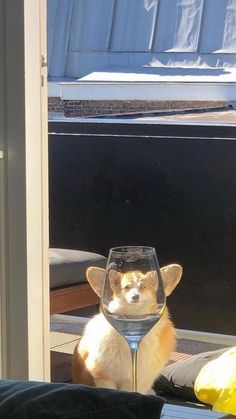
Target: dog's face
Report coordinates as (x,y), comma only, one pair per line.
(134,286)
(135,290)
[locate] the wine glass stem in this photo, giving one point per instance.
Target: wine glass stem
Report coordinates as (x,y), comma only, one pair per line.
(134,352)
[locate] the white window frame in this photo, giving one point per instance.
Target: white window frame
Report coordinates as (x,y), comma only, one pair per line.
(24,276)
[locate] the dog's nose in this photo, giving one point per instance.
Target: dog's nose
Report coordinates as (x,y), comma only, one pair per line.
(135,297)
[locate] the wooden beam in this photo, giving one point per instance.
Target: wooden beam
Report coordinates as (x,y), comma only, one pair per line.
(72,298)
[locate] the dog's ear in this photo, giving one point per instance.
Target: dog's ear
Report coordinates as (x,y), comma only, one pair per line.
(95,277)
(115,280)
(171,275)
(151,279)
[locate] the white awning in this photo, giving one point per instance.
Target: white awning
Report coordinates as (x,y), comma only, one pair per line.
(153,83)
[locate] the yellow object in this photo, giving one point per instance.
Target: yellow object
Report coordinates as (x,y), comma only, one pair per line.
(216,383)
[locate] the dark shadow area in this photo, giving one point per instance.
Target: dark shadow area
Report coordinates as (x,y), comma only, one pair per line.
(61,367)
(176,194)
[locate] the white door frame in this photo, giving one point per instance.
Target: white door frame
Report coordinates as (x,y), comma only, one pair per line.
(24,280)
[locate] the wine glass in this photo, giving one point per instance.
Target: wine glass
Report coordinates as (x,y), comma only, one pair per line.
(133,297)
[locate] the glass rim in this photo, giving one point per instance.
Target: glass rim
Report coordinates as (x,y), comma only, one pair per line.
(132,249)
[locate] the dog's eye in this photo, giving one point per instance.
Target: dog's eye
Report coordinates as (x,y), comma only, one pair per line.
(127,287)
(141,286)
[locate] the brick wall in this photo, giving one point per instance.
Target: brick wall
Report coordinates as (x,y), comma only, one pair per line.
(55,104)
(72,108)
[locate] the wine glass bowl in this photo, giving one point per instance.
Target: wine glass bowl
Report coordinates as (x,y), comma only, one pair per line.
(133,297)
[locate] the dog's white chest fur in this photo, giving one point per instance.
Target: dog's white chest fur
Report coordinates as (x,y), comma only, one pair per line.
(109,357)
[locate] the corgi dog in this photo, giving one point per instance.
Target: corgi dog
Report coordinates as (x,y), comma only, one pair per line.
(102,356)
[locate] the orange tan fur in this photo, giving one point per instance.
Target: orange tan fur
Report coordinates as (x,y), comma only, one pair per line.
(102,357)
(80,372)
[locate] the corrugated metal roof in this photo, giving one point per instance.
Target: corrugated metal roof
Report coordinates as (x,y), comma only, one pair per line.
(85,35)
(91,25)
(133,25)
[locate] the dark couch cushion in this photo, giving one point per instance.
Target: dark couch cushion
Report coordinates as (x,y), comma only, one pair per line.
(34,400)
(68,267)
(178,379)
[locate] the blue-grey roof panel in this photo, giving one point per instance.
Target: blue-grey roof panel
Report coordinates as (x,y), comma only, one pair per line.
(178,25)
(133,25)
(59,46)
(219,27)
(52,11)
(84,35)
(91,23)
